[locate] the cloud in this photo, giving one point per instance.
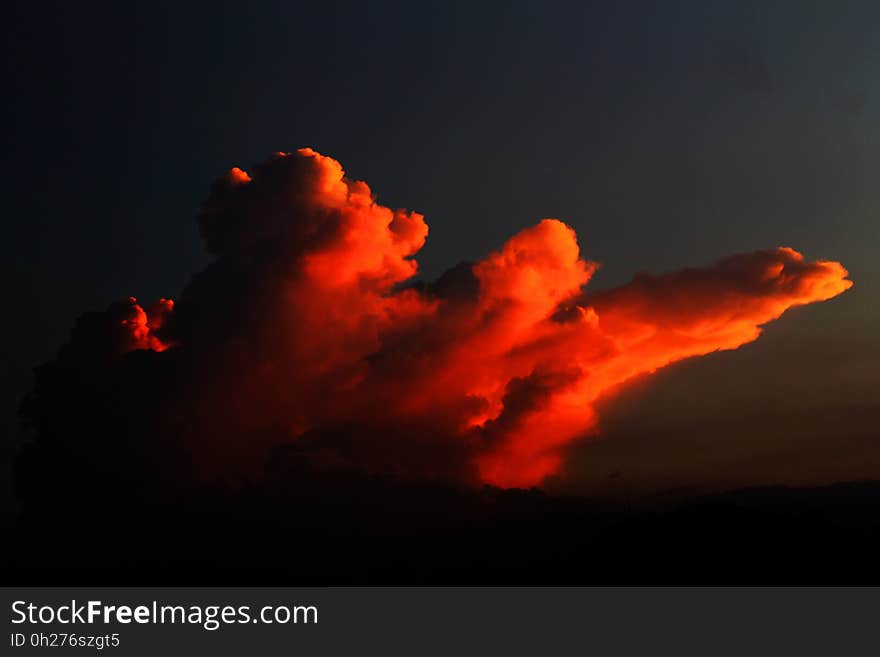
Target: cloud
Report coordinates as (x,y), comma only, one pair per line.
(307,335)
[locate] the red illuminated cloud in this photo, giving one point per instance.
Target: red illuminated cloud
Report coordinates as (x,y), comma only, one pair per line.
(301,332)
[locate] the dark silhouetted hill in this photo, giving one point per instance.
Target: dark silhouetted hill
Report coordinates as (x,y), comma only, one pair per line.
(333,528)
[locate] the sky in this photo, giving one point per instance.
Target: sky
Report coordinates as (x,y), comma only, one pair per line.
(666,134)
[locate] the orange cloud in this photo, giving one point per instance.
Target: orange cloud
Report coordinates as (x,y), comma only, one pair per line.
(306,331)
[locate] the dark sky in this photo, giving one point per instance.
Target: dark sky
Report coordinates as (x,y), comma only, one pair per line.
(667,134)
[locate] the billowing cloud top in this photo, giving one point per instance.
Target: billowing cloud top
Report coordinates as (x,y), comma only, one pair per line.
(304,333)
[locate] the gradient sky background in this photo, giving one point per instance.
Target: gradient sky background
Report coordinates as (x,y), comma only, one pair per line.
(667,134)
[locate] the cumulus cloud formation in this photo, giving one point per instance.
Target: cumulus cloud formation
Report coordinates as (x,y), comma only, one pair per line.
(306,335)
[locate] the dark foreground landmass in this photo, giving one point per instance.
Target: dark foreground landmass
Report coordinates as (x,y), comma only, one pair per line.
(354,529)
